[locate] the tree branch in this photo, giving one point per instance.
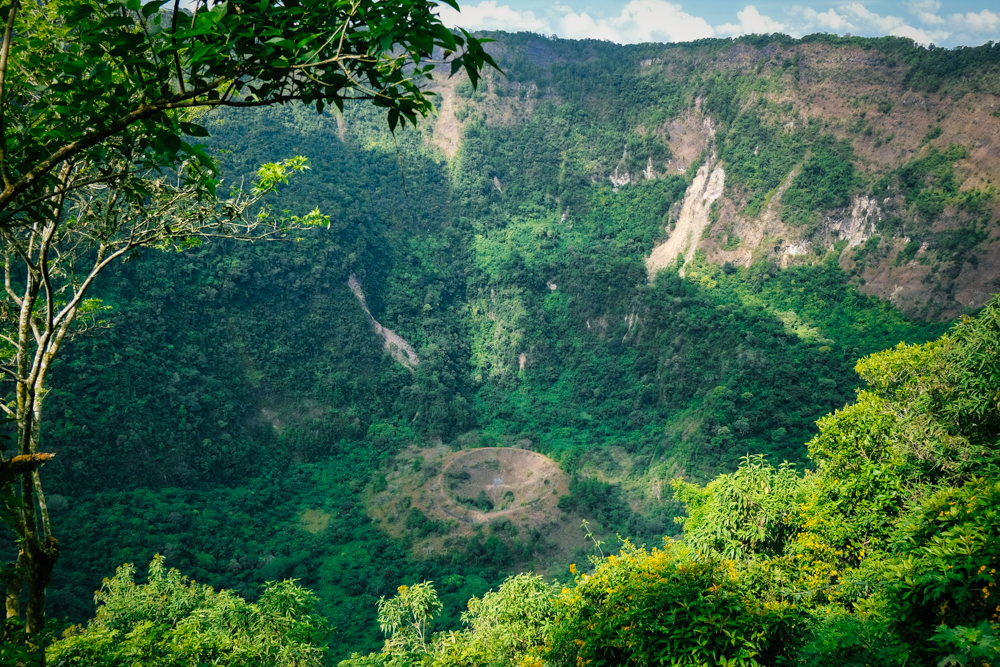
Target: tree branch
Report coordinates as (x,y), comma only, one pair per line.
(69,188)
(10,340)
(173,41)
(18,465)
(4,54)
(6,281)
(74,148)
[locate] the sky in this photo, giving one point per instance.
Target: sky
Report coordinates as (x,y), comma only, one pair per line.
(947,23)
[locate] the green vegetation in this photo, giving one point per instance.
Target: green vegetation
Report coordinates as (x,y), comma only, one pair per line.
(929,182)
(932,193)
(171,621)
(240,409)
(826,181)
(885,553)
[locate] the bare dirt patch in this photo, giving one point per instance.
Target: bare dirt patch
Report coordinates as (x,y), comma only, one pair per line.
(479,485)
(314,521)
(689,137)
(434,500)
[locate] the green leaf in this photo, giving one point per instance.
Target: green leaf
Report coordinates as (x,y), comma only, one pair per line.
(193,129)
(171,143)
(151,8)
(79,13)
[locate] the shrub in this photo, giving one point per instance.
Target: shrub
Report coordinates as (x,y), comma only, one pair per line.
(665,607)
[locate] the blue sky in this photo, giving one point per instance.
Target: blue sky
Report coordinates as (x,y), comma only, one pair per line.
(942,22)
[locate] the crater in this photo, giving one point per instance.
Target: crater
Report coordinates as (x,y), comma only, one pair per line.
(479,484)
(435,501)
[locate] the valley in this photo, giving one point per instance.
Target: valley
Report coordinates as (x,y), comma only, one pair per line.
(604,269)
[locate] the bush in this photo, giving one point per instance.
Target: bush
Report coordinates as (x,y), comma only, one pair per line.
(665,607)
(173,621)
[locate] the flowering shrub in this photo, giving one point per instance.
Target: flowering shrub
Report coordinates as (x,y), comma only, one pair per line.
(665,607)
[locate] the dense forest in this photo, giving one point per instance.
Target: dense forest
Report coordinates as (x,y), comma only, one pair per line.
(753,493)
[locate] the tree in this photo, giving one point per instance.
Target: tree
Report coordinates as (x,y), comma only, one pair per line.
(741,514)
(173,621)
(505,625)
(95,98)
(49,267)
(664,606)
(99,84)
(405,618)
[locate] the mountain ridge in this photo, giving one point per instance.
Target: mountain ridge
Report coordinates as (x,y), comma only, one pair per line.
(872,95)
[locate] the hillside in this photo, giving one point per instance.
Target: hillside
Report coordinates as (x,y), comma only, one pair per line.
(813,143)
(639,263)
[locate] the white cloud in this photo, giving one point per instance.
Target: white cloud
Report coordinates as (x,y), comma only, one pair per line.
(828,20)
(855,17)
(487,15)
(583,26)
(983,22)
(752,22)
(869,19)
(917,35)
(638,21)
(926,11)
(665,21)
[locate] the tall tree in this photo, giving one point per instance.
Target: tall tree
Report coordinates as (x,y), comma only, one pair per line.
(96,99)
(49,268)
(171,620)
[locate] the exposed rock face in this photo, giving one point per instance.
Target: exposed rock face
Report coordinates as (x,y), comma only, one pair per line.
(618,180)
(400,350)
(753,231)
(857,224)
(706,187)
(620,176)
(689,136)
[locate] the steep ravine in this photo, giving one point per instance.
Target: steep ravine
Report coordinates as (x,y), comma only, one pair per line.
(400,350)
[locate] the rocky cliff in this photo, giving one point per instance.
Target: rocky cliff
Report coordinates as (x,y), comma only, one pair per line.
(879,150)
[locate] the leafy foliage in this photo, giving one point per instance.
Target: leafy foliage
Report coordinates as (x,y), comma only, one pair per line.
(100,84)
(647,607)
(405,618)
(745,513)
(172,621)
(506,625)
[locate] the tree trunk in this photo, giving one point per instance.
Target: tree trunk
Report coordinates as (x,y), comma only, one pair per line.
(14,586)
(38,551)
(42,561)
